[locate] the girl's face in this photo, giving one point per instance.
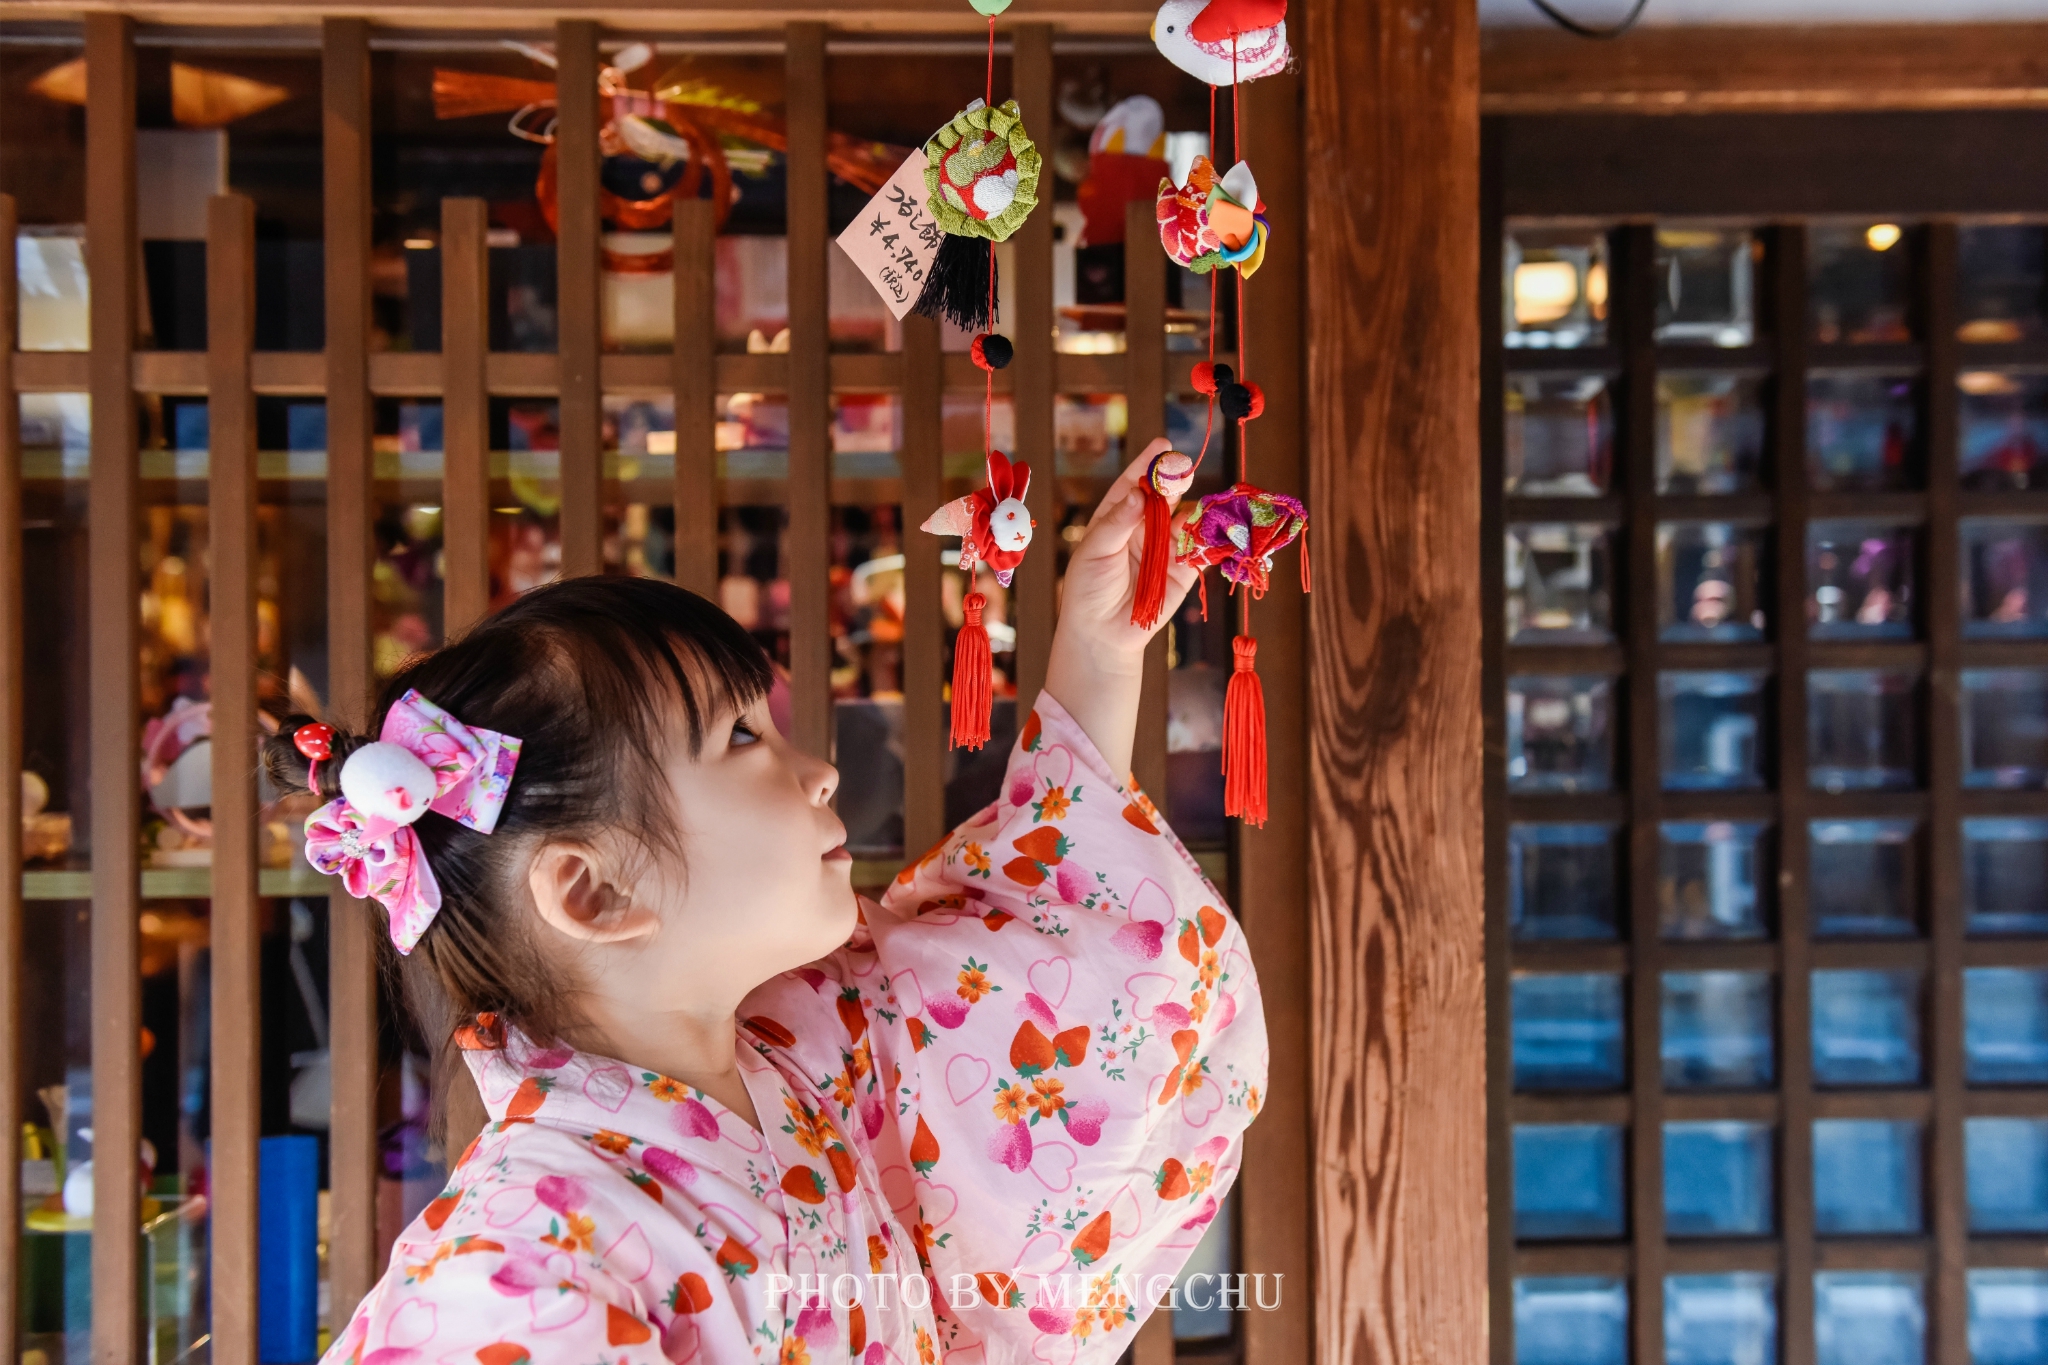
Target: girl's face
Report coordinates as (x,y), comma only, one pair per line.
(765,882)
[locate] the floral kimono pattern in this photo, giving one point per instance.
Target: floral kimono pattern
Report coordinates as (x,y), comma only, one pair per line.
(995,1123)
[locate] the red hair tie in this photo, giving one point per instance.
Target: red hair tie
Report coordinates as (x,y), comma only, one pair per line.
(316,743)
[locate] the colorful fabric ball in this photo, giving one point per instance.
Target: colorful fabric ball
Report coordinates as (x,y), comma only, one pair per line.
(1238,531)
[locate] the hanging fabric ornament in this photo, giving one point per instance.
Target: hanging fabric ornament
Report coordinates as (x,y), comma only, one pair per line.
(1238,531)
(994,528)
(1221,42)
(1167,478)
(1212,221)
(982,174)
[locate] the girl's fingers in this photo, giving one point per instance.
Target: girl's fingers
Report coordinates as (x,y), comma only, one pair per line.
(1128,480)
(1114,523)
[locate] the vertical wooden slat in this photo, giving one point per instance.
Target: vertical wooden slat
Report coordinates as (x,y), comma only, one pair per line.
(580,335)
(1795,1053)
(234,936)
(351,947)
(12,1079)
(696,388)
(810,396)
(1145,400)
(1035,591)
(1500,1128)
(1948,1299)
(465,415)
(924,635)
(113,500)
(1154,1343)
(1271,864)
(1395,793)
(1637,460)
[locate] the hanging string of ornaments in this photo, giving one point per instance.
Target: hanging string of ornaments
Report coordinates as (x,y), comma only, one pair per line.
(980,175)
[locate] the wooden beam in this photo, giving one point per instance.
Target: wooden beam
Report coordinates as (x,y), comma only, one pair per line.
(924,622)
(681,18)
(1787,286)
(1271,864)
(235,938)
(1777,69)
(1034,595)
(1395,863)
(112,530)
(696,397)
(580,338)
(810,396)
(1948,1304)
(1145,401)
(351,556)
(13,1082)
(465,415)
(1500,1129)
(1636,456)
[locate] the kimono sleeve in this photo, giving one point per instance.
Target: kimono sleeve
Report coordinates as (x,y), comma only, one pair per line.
(497,1301)
(1077,1037)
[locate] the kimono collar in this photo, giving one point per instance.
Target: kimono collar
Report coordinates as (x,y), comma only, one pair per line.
(588,1094)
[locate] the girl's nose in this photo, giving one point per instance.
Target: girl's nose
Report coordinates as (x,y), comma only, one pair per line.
(819,778)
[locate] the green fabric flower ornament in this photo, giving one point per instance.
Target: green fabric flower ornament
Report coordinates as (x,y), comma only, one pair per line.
(982,172)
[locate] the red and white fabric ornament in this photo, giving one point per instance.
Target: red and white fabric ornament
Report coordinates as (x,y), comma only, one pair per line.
(1221,42)
(995,529)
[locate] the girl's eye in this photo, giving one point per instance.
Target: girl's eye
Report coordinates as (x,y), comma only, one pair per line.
(743,734)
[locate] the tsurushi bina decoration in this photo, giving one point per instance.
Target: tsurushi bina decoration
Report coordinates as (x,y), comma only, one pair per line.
(982,172)
(1220,42)
(1206,225)
(994,528)
(993,525)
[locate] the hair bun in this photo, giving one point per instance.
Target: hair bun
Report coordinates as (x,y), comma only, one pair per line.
(287,762)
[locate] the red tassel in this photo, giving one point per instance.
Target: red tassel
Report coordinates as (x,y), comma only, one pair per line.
(1150,599)
(1302,550)
(1244,737)
(972,675)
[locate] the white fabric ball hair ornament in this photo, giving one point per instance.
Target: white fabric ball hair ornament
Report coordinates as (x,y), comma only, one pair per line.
(387,781)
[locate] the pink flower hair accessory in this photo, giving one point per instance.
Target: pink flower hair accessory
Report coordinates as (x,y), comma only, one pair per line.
(424,759)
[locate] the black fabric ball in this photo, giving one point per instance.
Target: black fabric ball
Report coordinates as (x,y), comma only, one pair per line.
(1235,400)
(996,350)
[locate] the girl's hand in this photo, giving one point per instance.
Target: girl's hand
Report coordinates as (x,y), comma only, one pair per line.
(1102,572)
(1098,656)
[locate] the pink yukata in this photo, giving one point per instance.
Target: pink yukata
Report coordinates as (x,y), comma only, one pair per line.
(997,1120)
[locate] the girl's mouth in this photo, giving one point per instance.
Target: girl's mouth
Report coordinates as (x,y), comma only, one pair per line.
(839,855)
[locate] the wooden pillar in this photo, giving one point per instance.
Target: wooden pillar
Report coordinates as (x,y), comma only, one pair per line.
(113,500)
(1145,401)
(1271,892)
(924,621)
(465,416)
(235,937)
(1035,594)
(809,485)
(1395,872)
(580,339)
(352,949)
(11,746)
(696,396)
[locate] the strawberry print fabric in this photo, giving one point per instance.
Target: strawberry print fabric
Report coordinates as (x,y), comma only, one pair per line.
(996,1122)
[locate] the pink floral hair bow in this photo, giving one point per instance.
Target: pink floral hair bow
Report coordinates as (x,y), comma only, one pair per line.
(424,759)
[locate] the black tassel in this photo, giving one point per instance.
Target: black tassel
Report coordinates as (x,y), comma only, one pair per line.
(961,285)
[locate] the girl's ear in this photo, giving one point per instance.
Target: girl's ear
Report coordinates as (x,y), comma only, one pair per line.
(576,897)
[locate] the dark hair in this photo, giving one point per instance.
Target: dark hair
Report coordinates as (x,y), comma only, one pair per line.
(589,673)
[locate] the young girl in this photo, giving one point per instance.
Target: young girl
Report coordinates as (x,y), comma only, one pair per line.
(736,1113)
